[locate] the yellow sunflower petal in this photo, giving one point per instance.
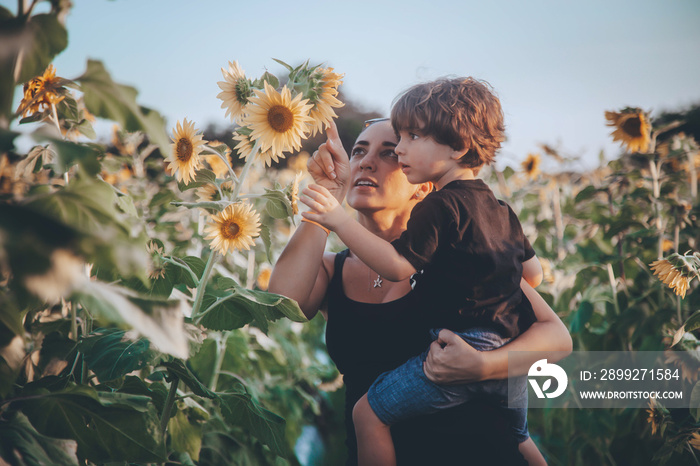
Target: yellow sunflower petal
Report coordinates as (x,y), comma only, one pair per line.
(42,92)
(325,99)
(184,159)
(531,165)
(233,228)
(245,148)
(235,90)
(277,121)
(632,129)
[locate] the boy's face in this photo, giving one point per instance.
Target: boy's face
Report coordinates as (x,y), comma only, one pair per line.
(423,159)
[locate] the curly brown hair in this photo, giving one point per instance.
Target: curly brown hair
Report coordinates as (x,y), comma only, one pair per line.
(463,113)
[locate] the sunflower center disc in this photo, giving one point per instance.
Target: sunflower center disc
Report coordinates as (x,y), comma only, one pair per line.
(633,127)
(280,118)
(231,230)
(184,149)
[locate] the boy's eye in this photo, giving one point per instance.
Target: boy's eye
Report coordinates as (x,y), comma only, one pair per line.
(413,136)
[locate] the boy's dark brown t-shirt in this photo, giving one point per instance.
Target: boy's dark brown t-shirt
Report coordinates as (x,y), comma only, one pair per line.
(470,247)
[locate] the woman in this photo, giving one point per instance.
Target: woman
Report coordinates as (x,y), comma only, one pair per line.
(374,325)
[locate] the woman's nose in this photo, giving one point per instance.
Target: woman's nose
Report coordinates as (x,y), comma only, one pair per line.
(369,161)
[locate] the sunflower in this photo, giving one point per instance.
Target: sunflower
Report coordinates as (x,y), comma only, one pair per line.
(233,228)
(185,161)
(672,275)
(632,128)
(683,360)
(323,97)
(208,192)
(263,279)
(667,245)
(245,147)
(293,192)
(654,417)
(235,91)
(531,165)
(277,121)
(42,92)
(547,273)
(298,162)
(217,165)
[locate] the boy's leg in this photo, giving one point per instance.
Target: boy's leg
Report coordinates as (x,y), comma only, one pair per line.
(374,443)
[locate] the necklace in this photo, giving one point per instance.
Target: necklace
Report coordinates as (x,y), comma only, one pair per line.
(377,283)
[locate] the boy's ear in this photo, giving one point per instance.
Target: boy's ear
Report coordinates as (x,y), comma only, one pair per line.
(458,154)
(423,190)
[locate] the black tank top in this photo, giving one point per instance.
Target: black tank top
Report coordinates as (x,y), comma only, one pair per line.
(366,339)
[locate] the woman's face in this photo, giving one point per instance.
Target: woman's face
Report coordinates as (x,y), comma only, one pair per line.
(376,181)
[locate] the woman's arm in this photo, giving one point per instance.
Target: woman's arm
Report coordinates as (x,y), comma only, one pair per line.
(300,272)
(452,360)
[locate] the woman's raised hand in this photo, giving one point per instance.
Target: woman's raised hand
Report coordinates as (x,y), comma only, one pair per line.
(329,165)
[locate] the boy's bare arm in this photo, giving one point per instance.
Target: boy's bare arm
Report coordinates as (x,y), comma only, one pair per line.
(532,271)
(378,254)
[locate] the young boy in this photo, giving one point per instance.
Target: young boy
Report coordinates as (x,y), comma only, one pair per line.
(469,245)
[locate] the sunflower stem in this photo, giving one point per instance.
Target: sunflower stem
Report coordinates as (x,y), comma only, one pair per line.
(74,320)
(199,296)
(693,176)
(244,172)
(54,115)
(223,159)
(213,305)
(218,362)
(184,267)
(167,409)
(558,221)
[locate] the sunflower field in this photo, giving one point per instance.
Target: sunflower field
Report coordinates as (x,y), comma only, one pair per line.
(134,323)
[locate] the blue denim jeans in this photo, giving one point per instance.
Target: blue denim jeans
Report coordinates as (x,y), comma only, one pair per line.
(406,392)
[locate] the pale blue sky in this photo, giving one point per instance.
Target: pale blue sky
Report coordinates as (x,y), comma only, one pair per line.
(556,65)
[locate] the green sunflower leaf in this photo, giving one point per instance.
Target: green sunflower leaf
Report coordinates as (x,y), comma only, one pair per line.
(695,402)
(693,323)
(20,443)
(159,320)
(107,426)
(271,79)
(108,99)
(37,40)
(110,355)
(278,204)
(239,409)
(267,241)
(185,436)
(239,306)
(178,368)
